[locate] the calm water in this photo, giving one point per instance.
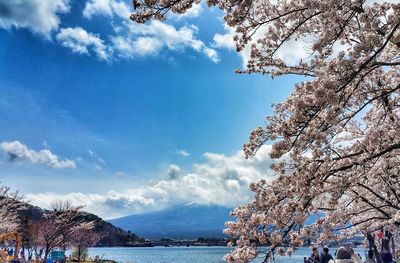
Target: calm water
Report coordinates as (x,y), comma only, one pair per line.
(184,254)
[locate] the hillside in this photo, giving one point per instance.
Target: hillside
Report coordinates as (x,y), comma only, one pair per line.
(113,236)
(183,221)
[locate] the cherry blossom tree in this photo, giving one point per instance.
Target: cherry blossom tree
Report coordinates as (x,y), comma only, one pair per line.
(70,221)
(57,227)
(83,236)
(34,240)
(9,206)
(336,138)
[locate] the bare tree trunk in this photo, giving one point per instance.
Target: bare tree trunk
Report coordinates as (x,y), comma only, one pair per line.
(386,241)
(79,253)
(46,254)
(393,247)
(372,246)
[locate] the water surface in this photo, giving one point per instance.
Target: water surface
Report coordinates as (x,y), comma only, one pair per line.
(186,254)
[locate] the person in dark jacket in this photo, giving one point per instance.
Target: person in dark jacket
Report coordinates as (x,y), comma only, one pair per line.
(325,255)
(387,257)
(315,256)
(370,257)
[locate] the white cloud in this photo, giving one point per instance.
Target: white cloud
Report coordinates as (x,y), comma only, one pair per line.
(174,171)
(291,52)
(147,45)
(295,50)
(106,8)
(18,151)
(107,205)
(98,161)
(172,38)
(130,40)
(152,38)
(222,180)
(80,41)
(39,16)
(139,40)
(183,153)
(125,47)
(211,54)
(225,40)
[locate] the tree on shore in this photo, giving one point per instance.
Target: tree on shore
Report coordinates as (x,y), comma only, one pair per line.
(33,239)
(10,204)
(336,138)
(57,228)
(82,238)
(62,228)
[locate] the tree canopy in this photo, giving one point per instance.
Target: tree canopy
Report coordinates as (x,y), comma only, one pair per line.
(9,206)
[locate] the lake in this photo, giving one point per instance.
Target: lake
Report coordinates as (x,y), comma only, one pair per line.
(185,254)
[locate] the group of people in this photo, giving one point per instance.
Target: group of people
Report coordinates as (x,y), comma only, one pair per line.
(9,251)
(346,255)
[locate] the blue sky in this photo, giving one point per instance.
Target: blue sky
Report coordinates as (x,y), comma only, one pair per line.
(126,118)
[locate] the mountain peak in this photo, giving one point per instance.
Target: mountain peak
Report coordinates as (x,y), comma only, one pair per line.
(186,221)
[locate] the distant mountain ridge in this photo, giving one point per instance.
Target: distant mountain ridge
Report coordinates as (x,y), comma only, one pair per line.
(183,221)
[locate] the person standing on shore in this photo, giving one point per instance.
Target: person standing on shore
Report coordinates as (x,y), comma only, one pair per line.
(343,255)
(370,257)
(356,258)
(325,255)
(387,257)
(315,258)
